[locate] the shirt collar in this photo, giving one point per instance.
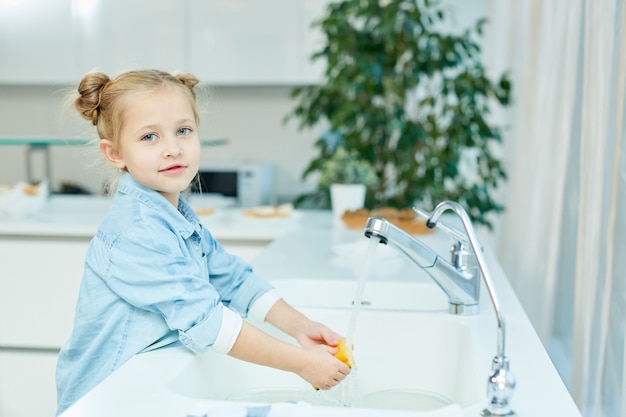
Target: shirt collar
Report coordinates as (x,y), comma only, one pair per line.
(183,219)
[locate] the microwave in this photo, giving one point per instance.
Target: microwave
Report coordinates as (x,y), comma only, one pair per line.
(248,184)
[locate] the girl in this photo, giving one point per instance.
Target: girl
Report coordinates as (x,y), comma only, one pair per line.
(153,274)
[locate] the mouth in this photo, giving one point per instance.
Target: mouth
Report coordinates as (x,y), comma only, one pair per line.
(173,170)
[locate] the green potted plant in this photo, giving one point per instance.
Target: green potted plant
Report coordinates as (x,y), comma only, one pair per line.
(347,176)
(410,98)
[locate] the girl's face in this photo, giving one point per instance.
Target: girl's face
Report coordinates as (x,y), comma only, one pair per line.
(159,143)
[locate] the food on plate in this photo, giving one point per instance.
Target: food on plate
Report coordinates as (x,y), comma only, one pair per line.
(20,188)
(30,189)
(267,212)
(405,219)
(22,198)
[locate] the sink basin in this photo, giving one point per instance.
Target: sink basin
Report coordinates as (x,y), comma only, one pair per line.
(394,350)
(377,295)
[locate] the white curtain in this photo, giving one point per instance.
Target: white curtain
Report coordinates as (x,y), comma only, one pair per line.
(562,240)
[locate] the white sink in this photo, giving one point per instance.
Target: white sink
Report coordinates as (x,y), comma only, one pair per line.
(394,350)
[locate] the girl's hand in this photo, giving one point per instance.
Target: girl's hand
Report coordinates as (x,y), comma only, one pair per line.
(321,369)
(305,331)
(315,364)
(314,333)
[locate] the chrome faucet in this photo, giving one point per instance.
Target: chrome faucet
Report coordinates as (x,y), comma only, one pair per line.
(460,280)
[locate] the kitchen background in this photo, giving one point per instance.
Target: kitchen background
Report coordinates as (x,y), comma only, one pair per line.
(249,53)
(562,234)
(225,44)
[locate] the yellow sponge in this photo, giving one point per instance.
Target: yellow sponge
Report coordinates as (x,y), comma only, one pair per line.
(344,353)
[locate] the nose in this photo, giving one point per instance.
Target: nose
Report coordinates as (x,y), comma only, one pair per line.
(172,147)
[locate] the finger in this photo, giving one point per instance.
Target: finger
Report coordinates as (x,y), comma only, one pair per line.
(330,337)
(330,349)
(344,369)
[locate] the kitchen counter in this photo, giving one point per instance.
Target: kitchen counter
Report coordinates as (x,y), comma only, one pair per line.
(78,216)
(320,250)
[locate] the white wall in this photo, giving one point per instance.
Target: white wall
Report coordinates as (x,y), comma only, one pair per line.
(251,117)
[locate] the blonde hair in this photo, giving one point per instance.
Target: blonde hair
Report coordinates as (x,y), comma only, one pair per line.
(101,100)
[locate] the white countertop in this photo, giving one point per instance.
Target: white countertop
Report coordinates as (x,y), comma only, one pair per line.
(316,249)
(78,216)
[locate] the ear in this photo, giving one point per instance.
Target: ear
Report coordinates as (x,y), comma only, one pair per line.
(111,154)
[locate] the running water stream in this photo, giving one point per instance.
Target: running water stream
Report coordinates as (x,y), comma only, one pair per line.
(358,297)
(351,394)
(347,393)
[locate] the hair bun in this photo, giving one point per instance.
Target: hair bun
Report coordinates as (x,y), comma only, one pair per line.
(90,90)
(189,80)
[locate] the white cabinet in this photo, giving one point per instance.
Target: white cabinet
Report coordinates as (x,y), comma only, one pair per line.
(37,42)
(38,290)
(27,384)
(118,35)
(312,41)
(223,42)
(58,41)
(246,41)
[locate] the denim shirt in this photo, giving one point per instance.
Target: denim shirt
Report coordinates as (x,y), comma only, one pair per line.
(153,276)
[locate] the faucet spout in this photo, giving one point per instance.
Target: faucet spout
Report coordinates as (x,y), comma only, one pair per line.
(482,263)
(501,382)
(460,284)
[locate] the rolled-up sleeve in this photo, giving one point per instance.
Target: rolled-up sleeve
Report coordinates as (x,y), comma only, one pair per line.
(262,305)
(198,337)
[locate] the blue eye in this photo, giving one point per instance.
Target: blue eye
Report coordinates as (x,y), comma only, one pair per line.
(183,131)
(149,137)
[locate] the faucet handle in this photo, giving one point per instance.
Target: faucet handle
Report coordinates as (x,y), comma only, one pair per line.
(462,259)
(450,230)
